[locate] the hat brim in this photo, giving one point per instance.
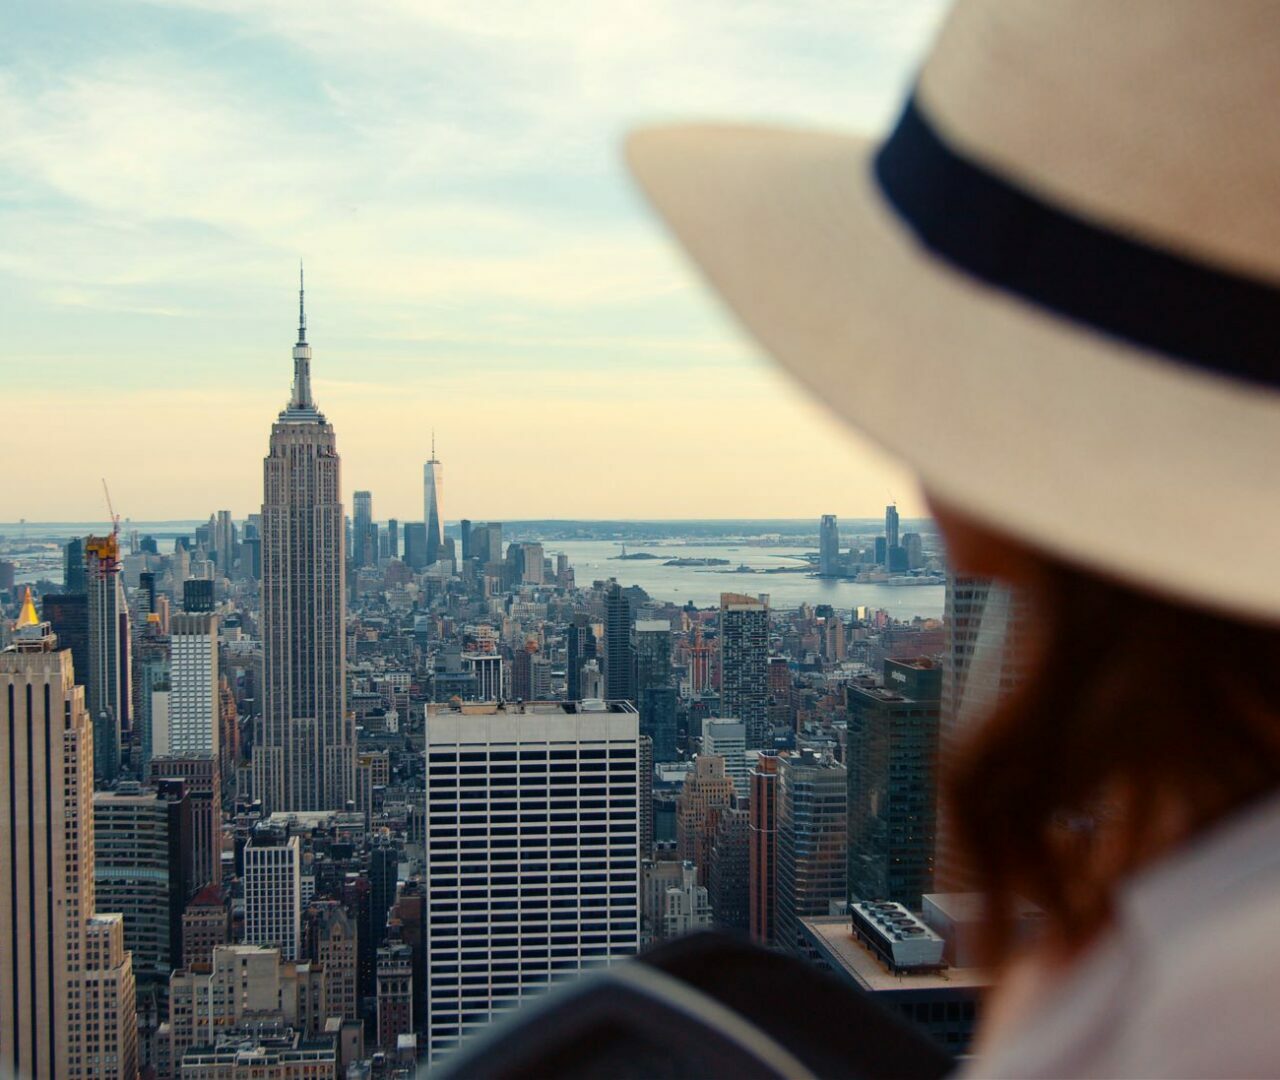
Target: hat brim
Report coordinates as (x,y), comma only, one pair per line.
(1127,463)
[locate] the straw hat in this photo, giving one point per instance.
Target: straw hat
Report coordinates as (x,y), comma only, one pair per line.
(1054,290)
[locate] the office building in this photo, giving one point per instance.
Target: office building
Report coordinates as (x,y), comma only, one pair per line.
(811,841)
(140,870)
(486,537)
(363,553)
(653,673)
(619,648)
(685,905)
(194,720)
(199,773)
(728,877)
(206,924)
(244,984)
(332,943)
(263,1051)
(728,739)
(885,951)
(707,790)
(892,782)
(273,893)
(108,683)
(151,685)
(74,580)
(644,793)
(432,513)
(68,615)
(532,873)
(653,653)
(395,993)
(533,571)
(658,720)
(744,665)
(981,667)
(656,877)
(580,646)
(197,595)
(464,536)
(762,849)
(891,526)
(224,543)
(415,545)
(304,758)
(67,1004)
(392,535)
(913,545)
(828,546)
(488,672)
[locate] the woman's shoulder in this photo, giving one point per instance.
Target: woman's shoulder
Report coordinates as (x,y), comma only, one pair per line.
(1182,984)
(1203,993)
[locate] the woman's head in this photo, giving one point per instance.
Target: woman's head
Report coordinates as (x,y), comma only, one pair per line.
(1137,722)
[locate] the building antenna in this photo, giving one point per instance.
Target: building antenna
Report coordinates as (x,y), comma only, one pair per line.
(302,311)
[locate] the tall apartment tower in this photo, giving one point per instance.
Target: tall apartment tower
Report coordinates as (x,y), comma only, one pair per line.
(273,894)
(108,683)
(432,489)
(891,526)
(619,647)
(744,664)
(67,1003)
(545,882)
(305,757)
(828,546)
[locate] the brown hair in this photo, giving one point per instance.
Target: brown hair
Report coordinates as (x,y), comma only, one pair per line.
(1140,722)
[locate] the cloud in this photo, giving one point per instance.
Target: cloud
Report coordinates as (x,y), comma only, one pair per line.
(451,175)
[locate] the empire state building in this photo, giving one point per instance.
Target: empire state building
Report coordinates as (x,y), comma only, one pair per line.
(305,757)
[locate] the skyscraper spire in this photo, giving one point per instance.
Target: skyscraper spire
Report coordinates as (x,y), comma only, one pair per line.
(300,405)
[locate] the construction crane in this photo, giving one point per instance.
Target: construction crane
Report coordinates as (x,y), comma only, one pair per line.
(111,510)
(106,549)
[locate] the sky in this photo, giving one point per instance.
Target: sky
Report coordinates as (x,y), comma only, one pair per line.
(478,261)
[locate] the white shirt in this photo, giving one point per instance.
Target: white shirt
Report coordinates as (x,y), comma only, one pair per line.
(1186,984)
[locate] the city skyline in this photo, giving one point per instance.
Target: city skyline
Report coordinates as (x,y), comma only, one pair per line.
(470,236)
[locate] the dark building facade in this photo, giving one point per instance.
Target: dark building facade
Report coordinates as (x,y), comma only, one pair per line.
(728,880)
(892,782)
(415,544)
(68,614)
(619,649)
(658,720)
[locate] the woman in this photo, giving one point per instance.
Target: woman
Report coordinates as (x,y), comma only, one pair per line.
(1055,292)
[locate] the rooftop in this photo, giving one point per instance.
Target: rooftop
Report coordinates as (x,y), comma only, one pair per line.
(528,708)
(849,958)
